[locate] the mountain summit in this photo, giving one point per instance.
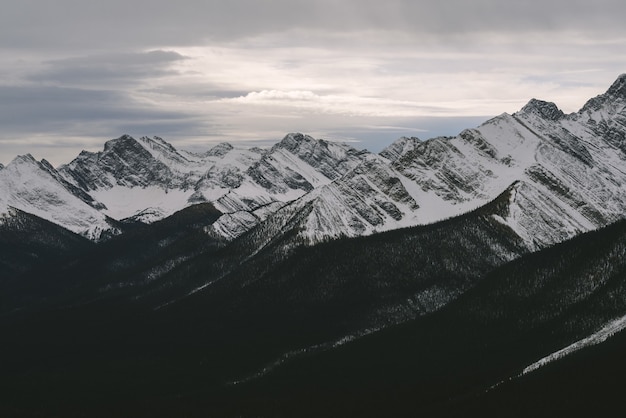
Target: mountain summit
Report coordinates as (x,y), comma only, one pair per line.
(546,110)
(618,88)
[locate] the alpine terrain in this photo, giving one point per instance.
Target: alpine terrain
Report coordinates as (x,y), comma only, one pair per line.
(482,274)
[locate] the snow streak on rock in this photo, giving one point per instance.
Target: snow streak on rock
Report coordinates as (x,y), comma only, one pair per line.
(598,337)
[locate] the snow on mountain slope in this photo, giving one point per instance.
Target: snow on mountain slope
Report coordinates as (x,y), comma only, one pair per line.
(301,163)
(146,204)
(597,337)
(568,167)
(566,171)
(284,173)
(123,162)
(148,179)
(231,225)
(400,147)
(290,170)
(369,198)
(35,187)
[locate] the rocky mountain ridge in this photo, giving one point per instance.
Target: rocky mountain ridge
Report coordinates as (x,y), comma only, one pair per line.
(35,187)
(566,170)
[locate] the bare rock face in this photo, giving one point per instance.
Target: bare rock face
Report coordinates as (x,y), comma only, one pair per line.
(545,110)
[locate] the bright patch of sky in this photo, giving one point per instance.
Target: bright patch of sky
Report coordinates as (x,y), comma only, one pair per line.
(77,73)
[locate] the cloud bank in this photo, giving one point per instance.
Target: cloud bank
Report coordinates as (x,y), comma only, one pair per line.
(76,73)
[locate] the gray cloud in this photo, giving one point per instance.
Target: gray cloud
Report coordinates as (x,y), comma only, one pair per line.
(195,91)
(45,106)
(105,69)
(50,113)
(153,23)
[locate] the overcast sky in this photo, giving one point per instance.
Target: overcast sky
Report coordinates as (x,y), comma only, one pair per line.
(76,73)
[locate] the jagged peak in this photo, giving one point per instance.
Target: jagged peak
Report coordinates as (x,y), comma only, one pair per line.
(29,163)
(126,137)
(295,140)
(45,163)
(81,157)
(86,154)
(297,137)
(23,159)
(616,91)
(546,110)
(399,147)
(158,141)
(618,88)
(122,140)
(406,139)
(220,149)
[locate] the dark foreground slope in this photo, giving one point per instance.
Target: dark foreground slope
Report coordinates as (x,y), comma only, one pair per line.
(82,271)
(588,383)
(269,336)
(27,241)
(103,343)
(443,364)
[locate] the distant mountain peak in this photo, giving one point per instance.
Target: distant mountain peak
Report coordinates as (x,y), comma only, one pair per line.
(156,141)
(47,164)
(123,141)
(617,92)
(220,150)
(400,147)
(618,88)
(546,110)
(23,159)
(293,141)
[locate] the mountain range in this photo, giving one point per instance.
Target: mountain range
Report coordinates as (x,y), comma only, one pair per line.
(315,279)
(566,167)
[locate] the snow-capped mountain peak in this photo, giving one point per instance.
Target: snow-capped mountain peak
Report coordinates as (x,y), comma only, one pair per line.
(613,99)
(37,188)
(220,150)
(301,163)
(543,109)
(332,159)
(618,88)
(399,147)
(295,140)
(120,144)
